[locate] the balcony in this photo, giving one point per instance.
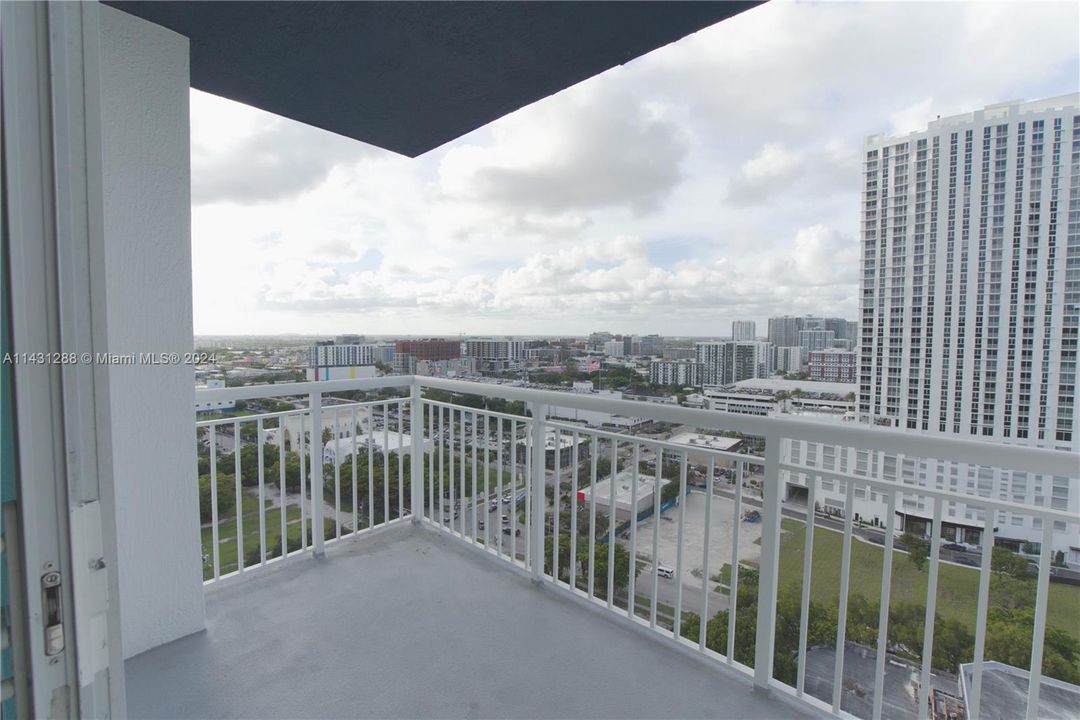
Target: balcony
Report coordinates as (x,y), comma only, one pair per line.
(410,622)
(448,566)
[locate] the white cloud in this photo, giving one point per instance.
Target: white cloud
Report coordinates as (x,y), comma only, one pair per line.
(716,178)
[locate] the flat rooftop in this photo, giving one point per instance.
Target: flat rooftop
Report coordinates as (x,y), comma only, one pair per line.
(624,489)
(777,385)
(701,440)
(900,682)
(412,623)
(1005,693)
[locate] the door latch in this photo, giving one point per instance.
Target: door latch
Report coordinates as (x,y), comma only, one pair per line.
(52,612)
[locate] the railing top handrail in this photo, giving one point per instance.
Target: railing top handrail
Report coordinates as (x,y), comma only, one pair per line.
(255,392)
(966,450)
(897,441)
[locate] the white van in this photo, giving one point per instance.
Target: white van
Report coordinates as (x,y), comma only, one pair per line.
(664,571)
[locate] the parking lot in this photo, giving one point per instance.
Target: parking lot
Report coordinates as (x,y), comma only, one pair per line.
(721,537)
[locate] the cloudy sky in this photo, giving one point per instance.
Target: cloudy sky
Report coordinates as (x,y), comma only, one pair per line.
(714,179)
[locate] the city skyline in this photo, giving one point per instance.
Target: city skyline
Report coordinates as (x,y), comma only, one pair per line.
(647,199)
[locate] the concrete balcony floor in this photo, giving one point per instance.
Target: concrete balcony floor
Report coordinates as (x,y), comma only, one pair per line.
(412,623)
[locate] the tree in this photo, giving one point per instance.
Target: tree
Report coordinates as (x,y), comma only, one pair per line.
(1006,562)
(226,497)
(918,549)
(1008,640)
(292,471)
(622,566)
(564,555)
(249,464)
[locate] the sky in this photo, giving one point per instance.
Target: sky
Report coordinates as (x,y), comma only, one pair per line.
(714,179)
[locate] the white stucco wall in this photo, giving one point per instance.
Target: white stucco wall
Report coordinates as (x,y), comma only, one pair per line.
(147,190)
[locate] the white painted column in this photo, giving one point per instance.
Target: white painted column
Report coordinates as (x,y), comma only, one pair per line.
(147,219)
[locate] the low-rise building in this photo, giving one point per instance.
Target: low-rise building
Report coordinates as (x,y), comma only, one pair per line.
(615,348)
(344,372)
(495,355)
(700,444)
(684,373)
(833,365)
(456,367)
(789,359)
(408,352)
(619,492)
(213,405)
(565,451)
(391,442)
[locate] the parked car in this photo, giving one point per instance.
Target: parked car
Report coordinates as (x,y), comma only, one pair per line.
(664,571)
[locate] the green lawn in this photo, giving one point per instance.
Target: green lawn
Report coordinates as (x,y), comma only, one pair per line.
(227,533)
(957,586)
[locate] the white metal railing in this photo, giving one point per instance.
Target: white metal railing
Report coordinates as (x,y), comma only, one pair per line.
(471,469)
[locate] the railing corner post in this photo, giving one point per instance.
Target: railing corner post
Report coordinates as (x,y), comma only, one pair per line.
(539,414)
(316,467)
(416,462)
(768,570)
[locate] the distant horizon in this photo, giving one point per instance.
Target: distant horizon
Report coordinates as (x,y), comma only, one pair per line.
(422,336)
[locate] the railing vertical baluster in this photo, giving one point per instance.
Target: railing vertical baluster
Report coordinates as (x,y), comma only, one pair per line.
(337,473)
(845,580)
(807,579)
(676,627)
(733,579)
(281,488)
(498,484)
(353,428)
(216,551)
(487,482)
(475,461)
(386,462)
(461,470)
(594,442)
(303,482)
(931,611)
(262,492)
(431,458)
(705,554)
(451,478)
(985,569)
(538,470)
(318,530)
(370,442)
(513,494)
(529,487)
(442,463)
(401,459)
(1038,635)
(556,543)
(769,568)
(239,498)
(613,510)
(657,484)
(574,511)
(631,582)
(883,608)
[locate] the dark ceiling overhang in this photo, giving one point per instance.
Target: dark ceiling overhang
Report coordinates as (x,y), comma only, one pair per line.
(410,76)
